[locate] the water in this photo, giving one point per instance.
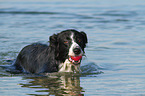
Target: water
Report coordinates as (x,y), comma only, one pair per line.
(116,47)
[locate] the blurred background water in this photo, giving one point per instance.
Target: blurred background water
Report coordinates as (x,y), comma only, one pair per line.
(116,48)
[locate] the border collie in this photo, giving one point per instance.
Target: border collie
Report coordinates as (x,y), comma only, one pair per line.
(64,54)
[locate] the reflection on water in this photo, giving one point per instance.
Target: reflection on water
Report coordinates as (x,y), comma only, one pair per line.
(45,84)
(55,85)
(58,84)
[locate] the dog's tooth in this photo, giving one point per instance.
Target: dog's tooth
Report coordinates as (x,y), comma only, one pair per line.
(79,61)
(70,58)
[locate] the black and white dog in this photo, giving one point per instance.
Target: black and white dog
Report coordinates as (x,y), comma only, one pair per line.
(64,54)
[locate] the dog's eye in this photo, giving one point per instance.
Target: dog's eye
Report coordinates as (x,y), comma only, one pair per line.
(79,41)
(65,42)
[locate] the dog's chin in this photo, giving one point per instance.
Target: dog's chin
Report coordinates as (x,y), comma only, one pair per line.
(75,62)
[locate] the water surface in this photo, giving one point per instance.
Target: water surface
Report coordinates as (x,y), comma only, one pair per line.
(116,34)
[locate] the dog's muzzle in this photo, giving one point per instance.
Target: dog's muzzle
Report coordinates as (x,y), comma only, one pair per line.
(75,55)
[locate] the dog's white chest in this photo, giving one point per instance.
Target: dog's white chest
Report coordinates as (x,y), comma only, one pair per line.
(67,66)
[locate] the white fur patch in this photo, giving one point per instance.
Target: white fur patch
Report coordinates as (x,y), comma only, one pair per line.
(67,66)
(74,45)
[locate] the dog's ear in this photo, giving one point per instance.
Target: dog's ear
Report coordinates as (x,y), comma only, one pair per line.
(54,44)
(85,36)
(53,40)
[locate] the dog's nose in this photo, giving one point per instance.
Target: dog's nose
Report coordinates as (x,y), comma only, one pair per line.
(77,50)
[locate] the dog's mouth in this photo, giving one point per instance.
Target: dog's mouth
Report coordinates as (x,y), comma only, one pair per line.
(75,59)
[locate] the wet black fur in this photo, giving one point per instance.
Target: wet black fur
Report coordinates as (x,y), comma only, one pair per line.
(39,58)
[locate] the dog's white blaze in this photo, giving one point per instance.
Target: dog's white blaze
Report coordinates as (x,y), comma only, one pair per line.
(74,45)
(67,66)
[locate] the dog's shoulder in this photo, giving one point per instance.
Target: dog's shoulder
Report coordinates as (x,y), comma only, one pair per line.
(34,48)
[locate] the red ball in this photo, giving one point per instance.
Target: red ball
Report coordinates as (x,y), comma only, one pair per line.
(77,58)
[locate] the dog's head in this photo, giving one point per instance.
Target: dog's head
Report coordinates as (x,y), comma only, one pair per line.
(69,44)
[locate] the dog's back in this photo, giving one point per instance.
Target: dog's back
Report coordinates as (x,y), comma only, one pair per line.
(35,59)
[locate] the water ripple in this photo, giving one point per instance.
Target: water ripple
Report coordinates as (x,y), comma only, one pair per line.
(29,12)
(119,13)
